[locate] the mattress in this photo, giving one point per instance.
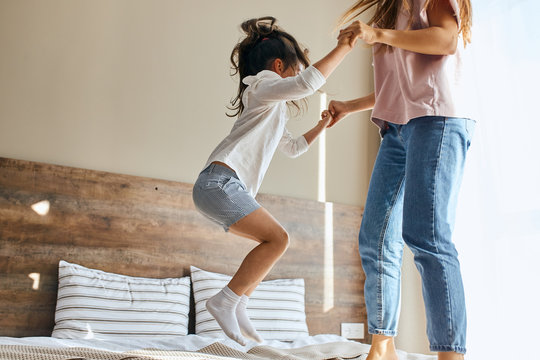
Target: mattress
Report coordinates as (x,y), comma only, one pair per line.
(318,347)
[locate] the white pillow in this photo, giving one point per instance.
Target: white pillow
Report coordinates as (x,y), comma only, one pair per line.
(276,307)
(96,304)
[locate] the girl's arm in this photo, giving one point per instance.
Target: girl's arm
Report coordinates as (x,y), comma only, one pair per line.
(440,38)
(295,147)
(270,87)
(311,135)
(340,109)
(331,61)
(306,82)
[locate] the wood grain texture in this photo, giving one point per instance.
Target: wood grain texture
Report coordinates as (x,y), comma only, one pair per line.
(147,227)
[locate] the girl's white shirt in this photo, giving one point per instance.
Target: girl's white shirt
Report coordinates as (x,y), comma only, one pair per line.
(260,129)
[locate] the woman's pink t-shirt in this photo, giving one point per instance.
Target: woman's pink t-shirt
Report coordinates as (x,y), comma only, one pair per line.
(409,84)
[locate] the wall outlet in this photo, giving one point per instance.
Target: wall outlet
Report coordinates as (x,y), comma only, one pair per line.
(352,330)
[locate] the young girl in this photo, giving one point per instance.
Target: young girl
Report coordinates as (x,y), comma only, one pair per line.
(270,63)
(416,178)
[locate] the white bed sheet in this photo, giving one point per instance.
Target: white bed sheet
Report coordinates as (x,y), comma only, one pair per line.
(183,343)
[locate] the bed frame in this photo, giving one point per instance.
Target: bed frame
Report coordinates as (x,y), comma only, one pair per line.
(147,227)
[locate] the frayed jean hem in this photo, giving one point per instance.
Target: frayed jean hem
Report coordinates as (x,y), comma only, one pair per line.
(448,348)
(382,332)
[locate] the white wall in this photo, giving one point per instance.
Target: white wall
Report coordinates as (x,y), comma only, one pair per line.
(140,87)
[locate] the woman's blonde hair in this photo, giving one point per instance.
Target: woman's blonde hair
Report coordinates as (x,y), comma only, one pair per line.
(386,14)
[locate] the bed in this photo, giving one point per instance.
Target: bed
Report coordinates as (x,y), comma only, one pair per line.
(64,228)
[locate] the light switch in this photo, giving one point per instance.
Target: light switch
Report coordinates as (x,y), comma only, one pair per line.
(352,330)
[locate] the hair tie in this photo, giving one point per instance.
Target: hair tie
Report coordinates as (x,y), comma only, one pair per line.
(265,39)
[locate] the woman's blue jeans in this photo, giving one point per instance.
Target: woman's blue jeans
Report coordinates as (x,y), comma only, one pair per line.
(412,199)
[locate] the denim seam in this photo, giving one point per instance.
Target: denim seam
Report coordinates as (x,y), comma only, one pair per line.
(238,207)
(435,243)
(399,134)
(380,258)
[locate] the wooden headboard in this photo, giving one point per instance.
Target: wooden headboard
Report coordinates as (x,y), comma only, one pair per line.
(146,227)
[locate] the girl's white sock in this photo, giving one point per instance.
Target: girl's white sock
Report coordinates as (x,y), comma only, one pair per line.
(246,327)
(222,306)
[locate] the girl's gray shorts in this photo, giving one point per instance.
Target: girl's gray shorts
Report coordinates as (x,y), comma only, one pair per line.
(221,196)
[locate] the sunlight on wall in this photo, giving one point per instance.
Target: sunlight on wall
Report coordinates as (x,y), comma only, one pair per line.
(42,207)
(328,303)
(322,154)
(35,277)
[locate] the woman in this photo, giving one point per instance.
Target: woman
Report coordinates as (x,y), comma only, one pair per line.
(416,178)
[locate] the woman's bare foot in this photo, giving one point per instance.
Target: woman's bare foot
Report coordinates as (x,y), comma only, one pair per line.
(382,348)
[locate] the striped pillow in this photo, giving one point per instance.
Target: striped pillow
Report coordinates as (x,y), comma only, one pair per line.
(96,304)
(276,308)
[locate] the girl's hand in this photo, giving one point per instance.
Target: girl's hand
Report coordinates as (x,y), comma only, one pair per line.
(359,30)
(347,39)
(326,118)
(338,110)
(318,129)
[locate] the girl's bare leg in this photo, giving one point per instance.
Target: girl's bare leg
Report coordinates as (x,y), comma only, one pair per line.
(229,306)
(273,240)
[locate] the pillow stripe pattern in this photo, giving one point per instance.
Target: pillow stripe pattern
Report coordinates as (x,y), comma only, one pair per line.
(276,307)
(97,304)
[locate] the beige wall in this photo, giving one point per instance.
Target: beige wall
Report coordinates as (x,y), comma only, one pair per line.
(140,87)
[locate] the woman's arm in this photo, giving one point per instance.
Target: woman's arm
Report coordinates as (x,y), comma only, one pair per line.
(440,38)
(340,109)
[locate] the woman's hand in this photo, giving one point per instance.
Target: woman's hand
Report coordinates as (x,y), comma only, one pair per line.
(338,110)
(359,30)
(440,38)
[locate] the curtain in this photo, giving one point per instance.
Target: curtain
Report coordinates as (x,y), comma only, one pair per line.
(498,221)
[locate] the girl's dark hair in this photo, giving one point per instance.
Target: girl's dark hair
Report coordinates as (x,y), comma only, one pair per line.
(264,42)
